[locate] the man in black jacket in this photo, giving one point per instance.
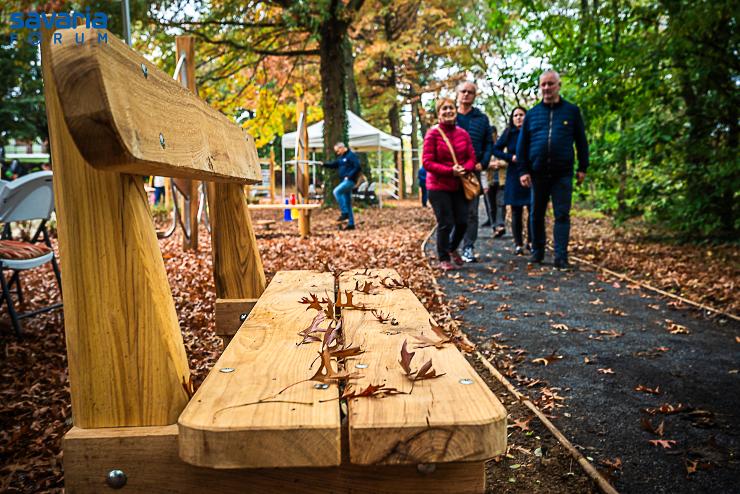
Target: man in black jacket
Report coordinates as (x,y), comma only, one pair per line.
(348,166)
(545,156)
(476,123)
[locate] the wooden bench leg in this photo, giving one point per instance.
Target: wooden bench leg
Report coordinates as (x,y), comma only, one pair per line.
(147,458)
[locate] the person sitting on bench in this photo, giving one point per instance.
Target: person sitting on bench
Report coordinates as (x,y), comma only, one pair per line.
(349,170)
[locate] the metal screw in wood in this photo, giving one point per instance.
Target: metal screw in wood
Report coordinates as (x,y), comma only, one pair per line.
(227,370)
(145,71)
(161,140)
(116,479)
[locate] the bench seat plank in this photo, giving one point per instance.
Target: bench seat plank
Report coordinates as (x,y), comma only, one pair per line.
(266,360)
(117,104)
(442,420)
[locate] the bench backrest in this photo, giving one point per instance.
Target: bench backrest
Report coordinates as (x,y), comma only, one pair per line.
(113,116)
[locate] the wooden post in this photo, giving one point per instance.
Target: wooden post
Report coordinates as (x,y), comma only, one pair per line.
(237,266)
(401,175)
(304,216)
(125,352)
(185,46)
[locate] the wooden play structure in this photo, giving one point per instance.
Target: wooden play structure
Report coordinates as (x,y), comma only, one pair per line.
(113,117)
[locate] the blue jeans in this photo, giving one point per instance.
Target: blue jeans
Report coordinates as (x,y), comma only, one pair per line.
(560,189)
(343,195)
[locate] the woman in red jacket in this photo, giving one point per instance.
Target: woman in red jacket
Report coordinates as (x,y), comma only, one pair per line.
(443,180)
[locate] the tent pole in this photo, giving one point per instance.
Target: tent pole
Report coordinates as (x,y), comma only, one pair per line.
(380,179)
(282,176)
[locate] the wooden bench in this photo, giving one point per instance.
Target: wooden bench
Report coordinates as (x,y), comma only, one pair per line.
(258,423)
(304,214)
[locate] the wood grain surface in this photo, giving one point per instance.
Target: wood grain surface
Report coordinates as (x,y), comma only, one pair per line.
(127,115)
(224,426)
(441,420)
(125,352)
(149,459)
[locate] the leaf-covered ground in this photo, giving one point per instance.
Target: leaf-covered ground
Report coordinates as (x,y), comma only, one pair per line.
(34,394)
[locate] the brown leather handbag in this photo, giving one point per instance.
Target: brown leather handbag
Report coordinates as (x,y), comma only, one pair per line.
(470,182)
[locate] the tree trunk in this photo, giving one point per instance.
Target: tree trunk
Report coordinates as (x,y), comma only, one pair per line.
(334,97)
(353,97)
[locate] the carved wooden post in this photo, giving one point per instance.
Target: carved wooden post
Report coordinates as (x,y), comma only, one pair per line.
(125,352)
(303,177)
(185,46)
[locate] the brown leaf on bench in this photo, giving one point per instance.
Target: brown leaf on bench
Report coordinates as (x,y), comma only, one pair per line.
(393,284)
(326,372)
(333,333)
(344,352)
(384,318)
(189,386)
(365,288)
(349,304)
(313,302)
(377,390)
(406,357)
(426,372)
(308,333)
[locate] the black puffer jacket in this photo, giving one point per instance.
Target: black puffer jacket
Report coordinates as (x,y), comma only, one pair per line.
(476,123)
(545,144)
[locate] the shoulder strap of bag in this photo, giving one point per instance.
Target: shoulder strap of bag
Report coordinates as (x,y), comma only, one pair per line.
(447,141)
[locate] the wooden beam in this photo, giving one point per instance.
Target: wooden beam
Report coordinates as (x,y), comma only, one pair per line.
(455,417)
(185,49)
(149,460)
(125,352)
(126,115)
(266,413)
(230,315)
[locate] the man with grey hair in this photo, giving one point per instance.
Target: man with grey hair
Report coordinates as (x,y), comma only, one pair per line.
(349,170)
(476,123)
(545,156)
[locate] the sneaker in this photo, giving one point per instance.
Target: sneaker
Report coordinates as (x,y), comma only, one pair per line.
(468,255)
(519,250)
(562,265)
(347,227)
(456,258)
(535,259)
(343,217)
(499,232)
(447,266)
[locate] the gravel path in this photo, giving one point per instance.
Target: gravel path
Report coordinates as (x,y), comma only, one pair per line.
(604,339)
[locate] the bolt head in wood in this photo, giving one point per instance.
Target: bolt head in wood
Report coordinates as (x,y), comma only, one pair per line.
(466,381)
(145,71)
(227,370)
(243,317)
(161,140)
(321,386)
(361,366)
(116,479)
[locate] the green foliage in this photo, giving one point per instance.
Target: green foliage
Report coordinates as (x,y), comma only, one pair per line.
(657,84)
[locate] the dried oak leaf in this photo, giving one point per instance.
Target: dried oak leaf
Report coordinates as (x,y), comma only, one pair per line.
(393,284)
(384,318)
(308,333)
(548,359)
(667,409)
(605,371)
(647,425)
(427,342)
(365,287)
(189,386)
(313,302)
(406,357)
(522,424)
(376,390)
(645,389)
(326,372)
(665,443)
(615,464)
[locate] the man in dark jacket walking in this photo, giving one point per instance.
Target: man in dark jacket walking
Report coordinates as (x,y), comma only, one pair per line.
(348,166)
(545,155)
(476,123)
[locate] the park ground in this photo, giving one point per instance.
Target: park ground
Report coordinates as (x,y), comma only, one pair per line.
(578,343)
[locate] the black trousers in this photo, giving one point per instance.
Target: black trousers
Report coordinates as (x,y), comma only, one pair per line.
(451,211)
(517,225)
(496,203)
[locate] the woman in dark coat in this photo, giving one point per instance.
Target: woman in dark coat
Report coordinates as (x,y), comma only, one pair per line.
(515,195)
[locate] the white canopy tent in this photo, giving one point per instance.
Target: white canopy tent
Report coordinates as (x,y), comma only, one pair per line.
(363,137)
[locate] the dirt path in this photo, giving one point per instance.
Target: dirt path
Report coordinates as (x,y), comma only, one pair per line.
(601,340)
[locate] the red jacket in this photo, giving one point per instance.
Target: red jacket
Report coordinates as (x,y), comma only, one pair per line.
(437,159)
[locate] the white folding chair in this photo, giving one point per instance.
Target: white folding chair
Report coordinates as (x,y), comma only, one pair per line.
(30,197)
